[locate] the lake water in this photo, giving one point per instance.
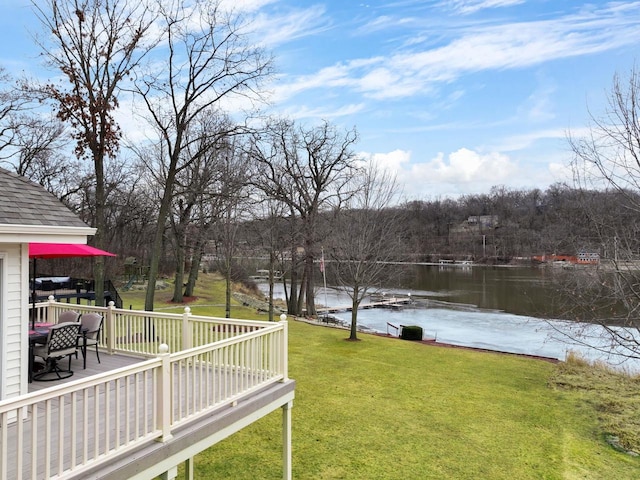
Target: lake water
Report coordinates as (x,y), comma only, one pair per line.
(495,308)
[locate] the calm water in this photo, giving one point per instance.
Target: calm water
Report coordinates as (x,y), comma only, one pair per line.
(496,308)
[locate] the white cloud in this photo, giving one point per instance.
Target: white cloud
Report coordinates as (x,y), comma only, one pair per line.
(277,29)
(511,46)
(561,172)
(472,6)
(464,170)
(325,112)
(334,76)
(245,5)
(467,166)
(394,161)
(526,140)
(479,48)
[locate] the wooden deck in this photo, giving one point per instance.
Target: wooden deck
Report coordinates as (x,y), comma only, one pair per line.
(155,458)
(107,363)
(142,411)
(124,398)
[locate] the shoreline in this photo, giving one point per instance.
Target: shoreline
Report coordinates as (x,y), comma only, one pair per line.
(428,341)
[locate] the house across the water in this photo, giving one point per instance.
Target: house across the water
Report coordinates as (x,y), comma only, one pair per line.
(581,258)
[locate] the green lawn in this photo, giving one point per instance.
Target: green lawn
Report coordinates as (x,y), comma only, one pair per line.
(385,408)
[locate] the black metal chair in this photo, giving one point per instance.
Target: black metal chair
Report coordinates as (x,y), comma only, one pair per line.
(62,341)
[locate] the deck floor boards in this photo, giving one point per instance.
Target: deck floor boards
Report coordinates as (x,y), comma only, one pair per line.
(107,363)
(125,399)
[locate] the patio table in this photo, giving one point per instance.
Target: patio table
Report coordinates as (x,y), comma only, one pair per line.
(37,336)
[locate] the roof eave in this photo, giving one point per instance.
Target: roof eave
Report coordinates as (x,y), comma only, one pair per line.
(12,233)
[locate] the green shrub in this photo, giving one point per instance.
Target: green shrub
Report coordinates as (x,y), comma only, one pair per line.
(411,332)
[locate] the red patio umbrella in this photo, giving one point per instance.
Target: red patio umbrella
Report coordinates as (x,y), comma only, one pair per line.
(60,250)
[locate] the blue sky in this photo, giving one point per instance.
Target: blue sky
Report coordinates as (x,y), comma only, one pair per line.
(456,96)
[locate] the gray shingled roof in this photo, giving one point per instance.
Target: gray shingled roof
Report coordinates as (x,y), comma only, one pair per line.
(23,202)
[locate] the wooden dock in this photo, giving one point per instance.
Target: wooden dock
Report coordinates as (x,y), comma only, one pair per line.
(392,302)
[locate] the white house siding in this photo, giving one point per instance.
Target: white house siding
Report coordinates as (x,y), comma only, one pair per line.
(14,317)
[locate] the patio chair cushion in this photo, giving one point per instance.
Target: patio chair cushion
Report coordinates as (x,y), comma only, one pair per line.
(68,316)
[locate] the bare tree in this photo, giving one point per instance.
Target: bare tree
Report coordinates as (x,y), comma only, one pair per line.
(267,234)
(365,238)
(207,59)
(228,203)
(309,170)
(25,137)
(38,150)
(13,104)
(210,191)
(37,142)
(608,159)
(95,44)
(193,190)
(131,208)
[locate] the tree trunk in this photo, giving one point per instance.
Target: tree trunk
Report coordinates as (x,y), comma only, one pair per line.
(309,290)
(227,311)
(272,263)
(355,303)
(179,276)
(301,296)
(154,264)
(286,291)
(101,226)
(292,303)
(194,270)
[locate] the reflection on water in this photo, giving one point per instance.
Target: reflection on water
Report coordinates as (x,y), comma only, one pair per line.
(491,308)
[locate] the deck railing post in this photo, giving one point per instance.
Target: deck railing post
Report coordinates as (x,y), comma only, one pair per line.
(284,349)
(187,336)
(163,394)
(51,300)
(110,328)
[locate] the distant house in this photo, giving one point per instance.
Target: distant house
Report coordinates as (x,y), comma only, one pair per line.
(588,258)
(28,214)
(581,258)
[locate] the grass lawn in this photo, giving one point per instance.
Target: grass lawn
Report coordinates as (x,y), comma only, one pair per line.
(385,408)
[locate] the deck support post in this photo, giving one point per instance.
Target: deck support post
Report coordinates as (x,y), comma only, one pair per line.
(189,467)
(286,441)
(170,474)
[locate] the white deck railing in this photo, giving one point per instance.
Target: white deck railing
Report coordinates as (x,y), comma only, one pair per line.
(70,428)
(141,332)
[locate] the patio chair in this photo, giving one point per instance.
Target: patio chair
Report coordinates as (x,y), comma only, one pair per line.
(68,316)
(62,341)
(90,333)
